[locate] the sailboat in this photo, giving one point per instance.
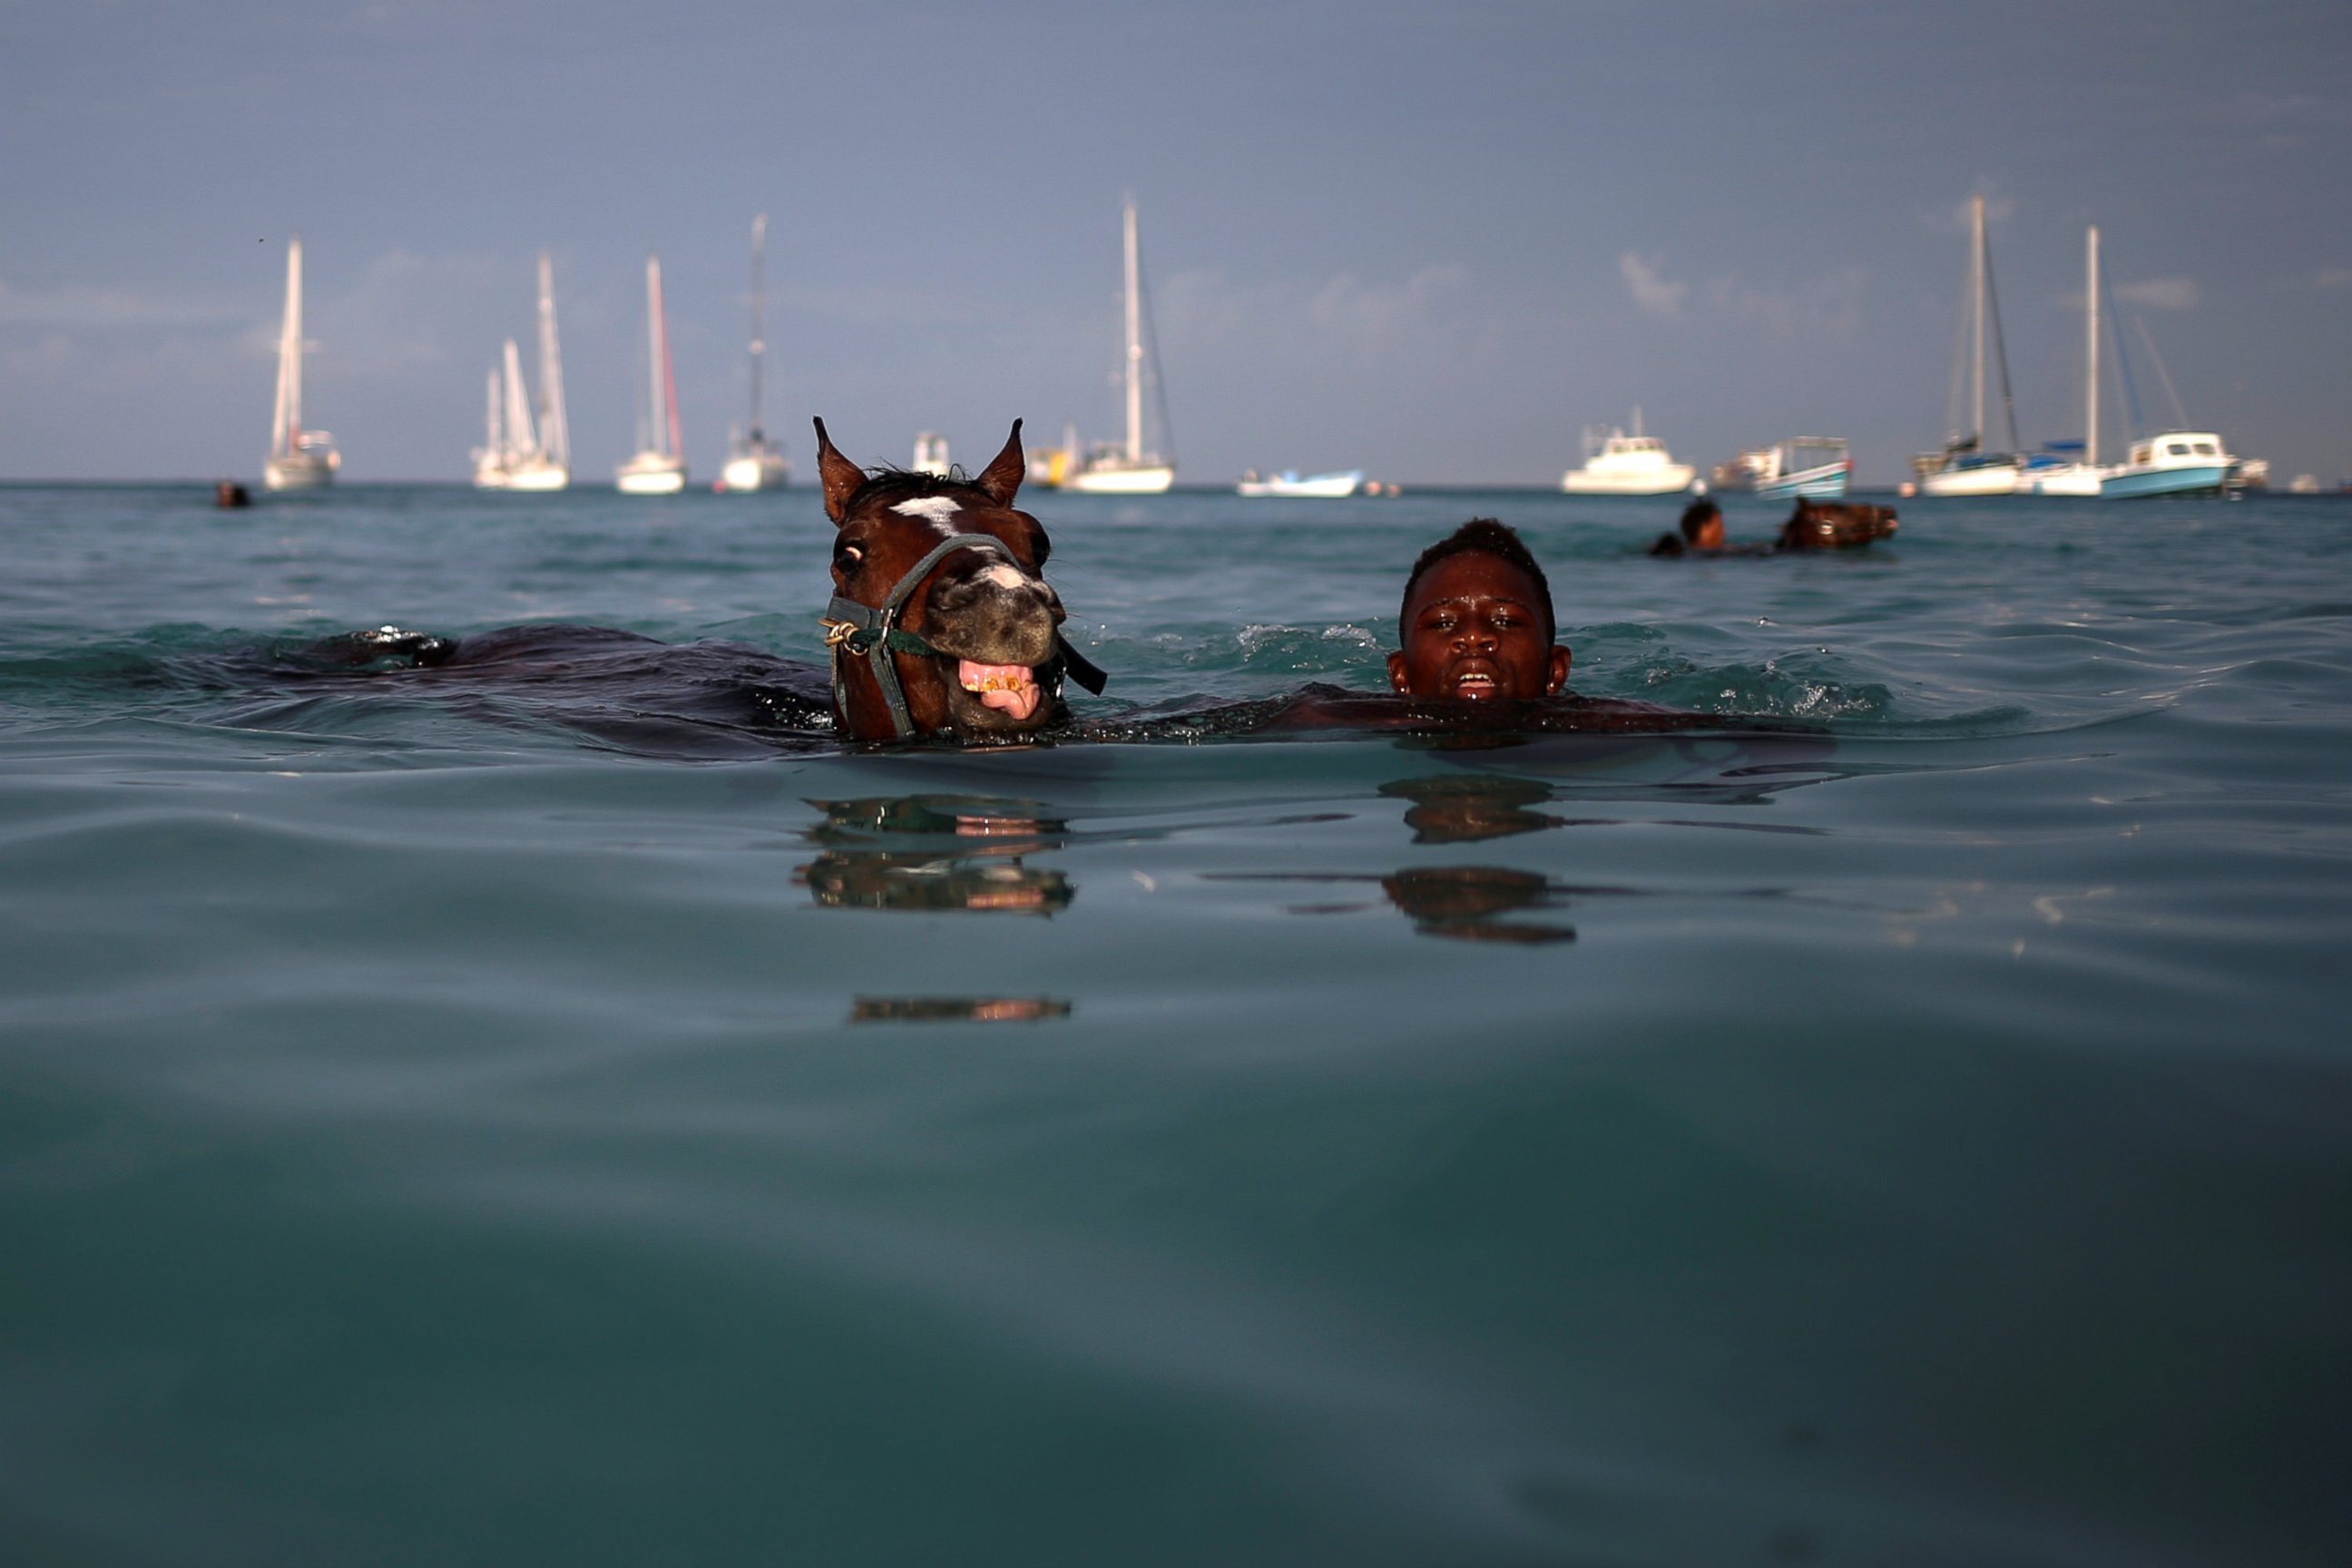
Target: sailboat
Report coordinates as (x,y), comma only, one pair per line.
(2053,472)
(1127,469)
(659,469)
(754,461)
(518,452)
(1964,467)
(298,460)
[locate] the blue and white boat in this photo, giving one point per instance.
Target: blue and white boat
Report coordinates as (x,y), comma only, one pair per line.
(1289,482)
(2175,463)
(1817,468)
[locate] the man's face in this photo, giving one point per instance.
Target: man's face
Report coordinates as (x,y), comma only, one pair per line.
(1473,629)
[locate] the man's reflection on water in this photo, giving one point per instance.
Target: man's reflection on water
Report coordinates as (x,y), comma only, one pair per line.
(1467,902)
(934,852)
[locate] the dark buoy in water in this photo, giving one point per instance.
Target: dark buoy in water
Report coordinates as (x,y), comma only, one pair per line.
(228,493)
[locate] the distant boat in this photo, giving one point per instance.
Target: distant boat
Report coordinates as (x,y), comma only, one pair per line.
(1964,467)
(930,455)
(1289,483)
(1817,468)
(298,460)
(1128,469)
(519,452)
(2175,463)
(2057,469)
(658,469)
(1622,464)
(754,461)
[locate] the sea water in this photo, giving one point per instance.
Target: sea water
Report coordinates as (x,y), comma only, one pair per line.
(441,1131)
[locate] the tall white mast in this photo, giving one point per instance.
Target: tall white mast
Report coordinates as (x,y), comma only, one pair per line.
(758,320)
(1134,344)
(656,408)
(494,435)
(554,431)
(1976,286)
(286,430)
(2091,348)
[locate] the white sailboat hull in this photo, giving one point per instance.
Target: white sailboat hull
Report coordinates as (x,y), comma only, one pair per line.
(2062,479)
(298,471)
(538,477)
(1989,479)
(650,473)
(766,471)
(1144,480)
(1672,479)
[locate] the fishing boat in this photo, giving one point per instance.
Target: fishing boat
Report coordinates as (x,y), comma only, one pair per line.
(1818,467)
(1964,467)
(754,461)
(1289,482)
(1616,464)
(659,469)
(930,455)
(1127,469)
(298,460)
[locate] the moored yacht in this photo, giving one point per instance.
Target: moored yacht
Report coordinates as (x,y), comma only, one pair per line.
(1617,464)
(1127,469)
(298,460)
(659,469)
(754,462)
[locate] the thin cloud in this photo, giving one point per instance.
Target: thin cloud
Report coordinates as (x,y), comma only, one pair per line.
(2334,277)
(2160,293)
(83,307)
(1649,287)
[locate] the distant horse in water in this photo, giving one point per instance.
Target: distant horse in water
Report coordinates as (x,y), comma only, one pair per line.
(1836,525)
(941,622)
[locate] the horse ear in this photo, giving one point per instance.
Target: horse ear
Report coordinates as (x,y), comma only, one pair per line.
(841,476)
(1001,480)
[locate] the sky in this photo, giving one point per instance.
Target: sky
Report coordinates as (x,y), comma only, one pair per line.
(1434,241)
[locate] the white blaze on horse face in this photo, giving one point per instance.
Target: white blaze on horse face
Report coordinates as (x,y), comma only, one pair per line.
(1003,577)
(930,508)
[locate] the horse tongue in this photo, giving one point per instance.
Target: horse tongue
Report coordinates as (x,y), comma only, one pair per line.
(1012,688)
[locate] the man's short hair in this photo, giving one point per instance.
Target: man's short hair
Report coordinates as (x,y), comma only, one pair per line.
(1481,536)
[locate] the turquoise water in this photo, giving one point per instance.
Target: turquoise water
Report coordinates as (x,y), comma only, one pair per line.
(485,1127)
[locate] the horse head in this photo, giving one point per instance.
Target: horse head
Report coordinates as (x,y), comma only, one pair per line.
(941,621)
(1836,525)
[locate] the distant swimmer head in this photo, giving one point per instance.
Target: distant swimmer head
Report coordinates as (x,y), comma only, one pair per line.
(1701,525)
(1476,624)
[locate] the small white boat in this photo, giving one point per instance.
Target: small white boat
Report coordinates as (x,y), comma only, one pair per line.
(1288,482)
(930,455)
(754,462)
(1970,473)
(2174,463)
(2072,467)
(1617,464)
(1126,469)
(659,469)
(298,460)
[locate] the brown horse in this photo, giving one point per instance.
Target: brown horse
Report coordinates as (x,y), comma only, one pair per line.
(1836,525)
(941,622)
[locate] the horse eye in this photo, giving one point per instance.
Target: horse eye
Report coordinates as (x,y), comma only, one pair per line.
(846,556)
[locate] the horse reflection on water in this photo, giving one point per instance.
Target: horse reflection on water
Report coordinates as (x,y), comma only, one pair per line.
(933,853)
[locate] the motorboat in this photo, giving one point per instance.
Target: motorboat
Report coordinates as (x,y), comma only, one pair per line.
(1617,464)
(930,455)
(2173,463)
(1289,482)
(1817,468)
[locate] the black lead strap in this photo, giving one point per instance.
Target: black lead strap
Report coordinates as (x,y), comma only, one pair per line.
(872,632)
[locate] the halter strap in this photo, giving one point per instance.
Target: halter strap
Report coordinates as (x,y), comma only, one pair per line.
(872,632)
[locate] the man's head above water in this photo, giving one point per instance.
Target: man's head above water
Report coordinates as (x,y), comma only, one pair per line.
(1476,624)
